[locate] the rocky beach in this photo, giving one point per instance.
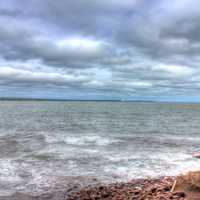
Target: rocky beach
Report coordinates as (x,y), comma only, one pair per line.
(141,189)
(183,187)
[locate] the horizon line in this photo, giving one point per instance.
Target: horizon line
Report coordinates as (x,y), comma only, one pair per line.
(99,100)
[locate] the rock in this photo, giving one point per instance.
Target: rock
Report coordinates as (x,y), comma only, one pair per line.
(158,189)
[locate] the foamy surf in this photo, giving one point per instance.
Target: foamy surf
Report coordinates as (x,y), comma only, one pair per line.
(70,144)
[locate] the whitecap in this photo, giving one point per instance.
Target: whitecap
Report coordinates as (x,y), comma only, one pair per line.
(8,171)
(80,139)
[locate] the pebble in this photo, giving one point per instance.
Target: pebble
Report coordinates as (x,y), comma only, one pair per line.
(158,189)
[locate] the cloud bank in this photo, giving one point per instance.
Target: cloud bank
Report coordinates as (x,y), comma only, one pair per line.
(91,49)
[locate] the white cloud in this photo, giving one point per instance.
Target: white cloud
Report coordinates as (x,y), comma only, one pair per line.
(101,46)
(174,70)
(19,75)
(83,46)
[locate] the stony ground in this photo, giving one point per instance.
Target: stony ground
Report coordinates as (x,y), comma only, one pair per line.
(142,189)
(158,189)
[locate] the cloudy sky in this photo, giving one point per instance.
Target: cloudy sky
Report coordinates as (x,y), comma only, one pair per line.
(100,49)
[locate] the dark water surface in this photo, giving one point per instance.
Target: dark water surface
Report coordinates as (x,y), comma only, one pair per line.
(47,145)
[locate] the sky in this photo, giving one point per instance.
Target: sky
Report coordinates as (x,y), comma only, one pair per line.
(100,49)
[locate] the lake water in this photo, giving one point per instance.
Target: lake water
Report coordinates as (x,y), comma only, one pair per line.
(44,145)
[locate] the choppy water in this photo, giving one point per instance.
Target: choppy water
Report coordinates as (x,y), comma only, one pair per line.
(43,144)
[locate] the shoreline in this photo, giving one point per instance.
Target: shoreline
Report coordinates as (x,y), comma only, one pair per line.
(182,187)
(136,189)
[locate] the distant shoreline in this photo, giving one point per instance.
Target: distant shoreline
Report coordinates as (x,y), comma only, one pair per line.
(97,100)
(94,100)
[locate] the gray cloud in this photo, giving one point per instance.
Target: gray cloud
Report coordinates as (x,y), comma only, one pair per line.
(100,48)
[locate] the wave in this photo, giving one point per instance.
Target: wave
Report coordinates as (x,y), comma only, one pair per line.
(81,140)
